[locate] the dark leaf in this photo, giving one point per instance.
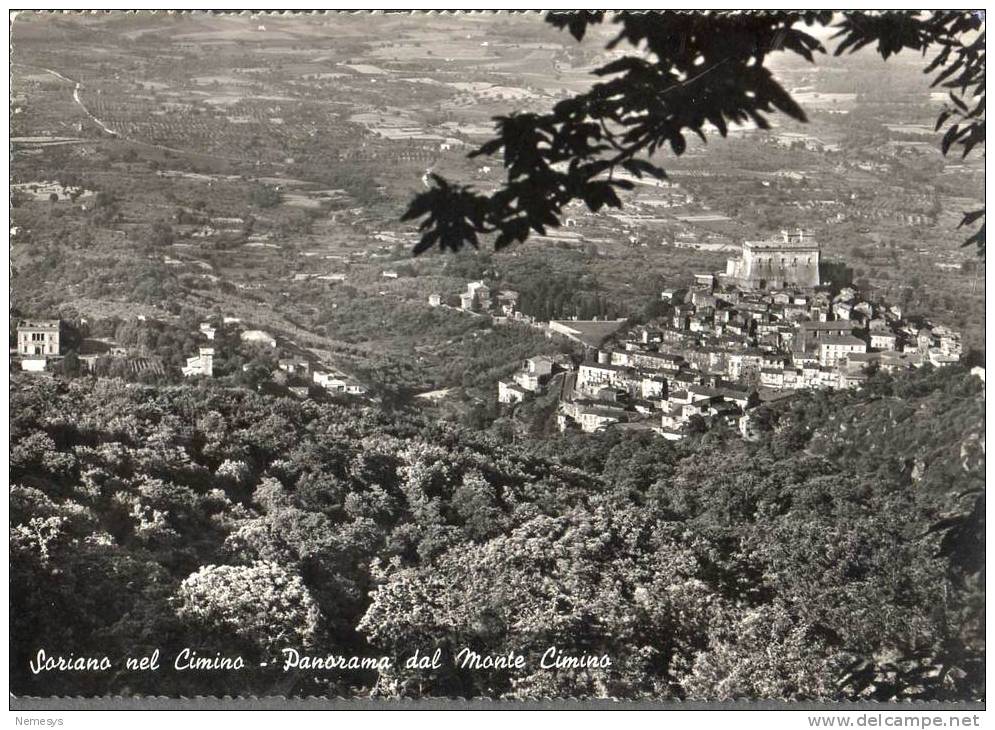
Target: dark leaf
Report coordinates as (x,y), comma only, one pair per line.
(971,217)
(575,22)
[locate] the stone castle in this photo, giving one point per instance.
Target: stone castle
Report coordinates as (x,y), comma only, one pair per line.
(777,263)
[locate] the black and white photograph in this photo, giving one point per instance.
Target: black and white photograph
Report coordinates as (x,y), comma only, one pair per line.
(487,356)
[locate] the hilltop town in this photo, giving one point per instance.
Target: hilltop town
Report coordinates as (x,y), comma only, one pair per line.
(728,344)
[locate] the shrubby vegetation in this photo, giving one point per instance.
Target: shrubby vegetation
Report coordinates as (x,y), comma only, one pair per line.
(839,557)
(547,294)
(264,196)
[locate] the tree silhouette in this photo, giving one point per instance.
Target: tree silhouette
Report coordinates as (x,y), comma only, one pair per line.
(699,73)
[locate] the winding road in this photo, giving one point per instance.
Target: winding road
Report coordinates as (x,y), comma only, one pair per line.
(78,86)
(87,111)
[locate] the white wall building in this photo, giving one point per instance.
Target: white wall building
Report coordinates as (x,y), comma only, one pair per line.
(203,364)
(834,348)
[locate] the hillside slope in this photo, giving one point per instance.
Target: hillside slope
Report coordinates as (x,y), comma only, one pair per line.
(817,563)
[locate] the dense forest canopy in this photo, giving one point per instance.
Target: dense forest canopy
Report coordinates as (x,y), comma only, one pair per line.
(839,557)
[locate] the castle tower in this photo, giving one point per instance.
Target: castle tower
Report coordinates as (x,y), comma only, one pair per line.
(776,263)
